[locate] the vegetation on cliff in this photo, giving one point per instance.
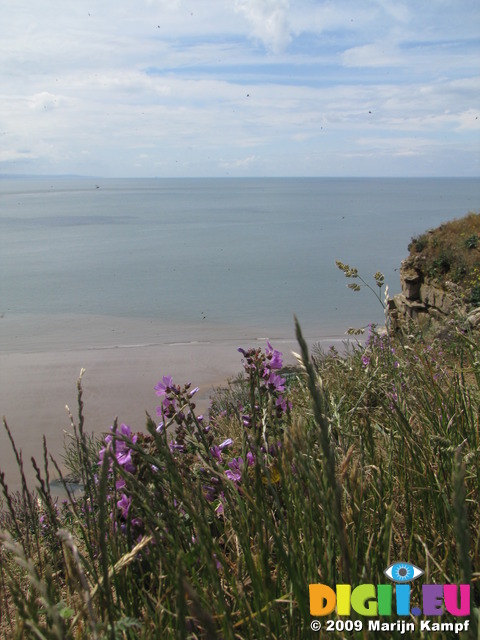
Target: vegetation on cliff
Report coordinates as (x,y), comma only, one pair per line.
(451,252)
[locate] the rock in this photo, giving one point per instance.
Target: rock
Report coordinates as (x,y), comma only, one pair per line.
(410,281)
(473,318)
(422,301)
(403,311)
(437,298)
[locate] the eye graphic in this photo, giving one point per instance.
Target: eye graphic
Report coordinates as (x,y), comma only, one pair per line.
(403,572)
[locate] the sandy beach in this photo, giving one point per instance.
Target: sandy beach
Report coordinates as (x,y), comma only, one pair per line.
(41,358)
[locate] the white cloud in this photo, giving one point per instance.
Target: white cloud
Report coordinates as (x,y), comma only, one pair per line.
(239,163)
(45,101)
(469,120)
(373,55)
(395,147)
(269,20)
(396,9)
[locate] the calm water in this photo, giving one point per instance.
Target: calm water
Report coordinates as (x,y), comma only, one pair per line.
(225,251)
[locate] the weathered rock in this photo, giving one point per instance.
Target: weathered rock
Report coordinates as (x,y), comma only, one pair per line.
(403,311)
(439,299)
(422,301)
(410,281)
(473,318)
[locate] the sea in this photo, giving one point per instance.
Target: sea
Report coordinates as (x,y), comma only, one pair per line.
(249,252)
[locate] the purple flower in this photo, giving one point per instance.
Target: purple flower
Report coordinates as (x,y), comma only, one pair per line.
(234,472)
(247,420)
(174,446)
(124,505)
(274,357)
(282,404)
(164,386)
(124,459)
(137,522)
(103,450)
(216,453)
(126,431)
(168,407)
(121,448)
(275,383)
(210,491)
(365,360)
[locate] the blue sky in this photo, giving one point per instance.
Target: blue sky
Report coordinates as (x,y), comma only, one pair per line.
(240,87)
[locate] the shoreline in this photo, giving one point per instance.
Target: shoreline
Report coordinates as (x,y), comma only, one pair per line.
(41,359)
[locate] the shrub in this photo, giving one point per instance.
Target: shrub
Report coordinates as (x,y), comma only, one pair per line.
(443,263)
(475,295)
(472,241)
(418,243)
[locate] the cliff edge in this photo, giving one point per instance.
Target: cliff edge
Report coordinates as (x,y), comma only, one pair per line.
(440,279)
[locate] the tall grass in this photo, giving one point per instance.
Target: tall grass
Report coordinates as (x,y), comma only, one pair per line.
(355,461)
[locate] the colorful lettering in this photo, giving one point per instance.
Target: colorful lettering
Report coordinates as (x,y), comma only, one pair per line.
(450,596)
(322,600)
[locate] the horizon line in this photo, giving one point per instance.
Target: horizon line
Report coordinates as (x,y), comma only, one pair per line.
(228,177)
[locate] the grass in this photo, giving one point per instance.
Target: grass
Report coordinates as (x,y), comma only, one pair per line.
(345,465)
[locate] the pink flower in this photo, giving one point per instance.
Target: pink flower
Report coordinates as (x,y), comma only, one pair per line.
(164,386)
(121,448)
(365,360)
(274,357)
(282,404)
(275,383)
(225,443)
(124,505)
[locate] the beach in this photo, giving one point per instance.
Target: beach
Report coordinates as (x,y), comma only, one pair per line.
(123,358)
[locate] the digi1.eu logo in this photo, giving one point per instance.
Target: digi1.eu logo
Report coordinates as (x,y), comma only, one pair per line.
(393,599)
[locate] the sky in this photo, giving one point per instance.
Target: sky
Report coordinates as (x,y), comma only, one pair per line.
(200,88)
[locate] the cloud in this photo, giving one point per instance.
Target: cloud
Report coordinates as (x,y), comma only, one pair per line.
(239,163)
(44,101)
(392,147)
(373,55)
(13,155)
(269,20)
(396,9)
(469,120)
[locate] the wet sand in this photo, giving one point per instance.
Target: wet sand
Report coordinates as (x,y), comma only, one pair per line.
(41,358)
